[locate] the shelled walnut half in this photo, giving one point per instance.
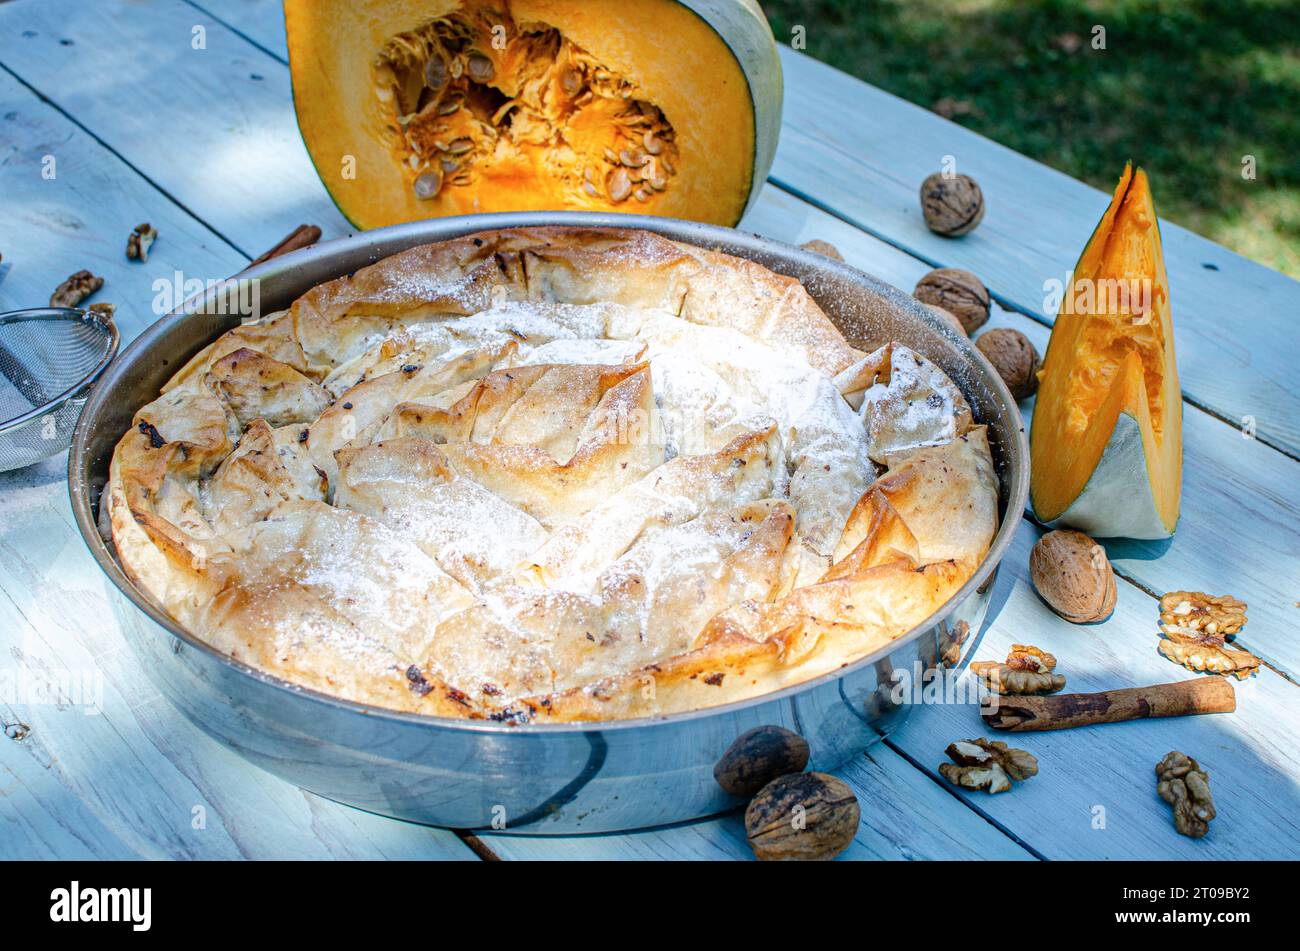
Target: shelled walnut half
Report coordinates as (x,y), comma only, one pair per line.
(140,241)
(1198,611)
(986,764)
(1182,783)
(1026,670)
(1197,627)
(75,289)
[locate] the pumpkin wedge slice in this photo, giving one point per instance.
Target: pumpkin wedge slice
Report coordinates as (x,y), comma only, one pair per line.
(1106,445)
(415,109)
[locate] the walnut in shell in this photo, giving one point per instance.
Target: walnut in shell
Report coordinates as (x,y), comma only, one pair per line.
(824,248)
(986,764)
(75,289)
(959,292)
(805,816)
(1182,783)
(952,204)
(1073,575)
(948,317)
(1014,357)
(759,756)
(1027,670)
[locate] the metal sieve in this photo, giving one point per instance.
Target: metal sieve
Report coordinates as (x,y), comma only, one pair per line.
(49,357)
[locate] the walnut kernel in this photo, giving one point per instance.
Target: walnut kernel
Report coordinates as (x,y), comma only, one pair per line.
(1182,783)
(1197,627)
(75,289)
(140,241)
(1198,611)
(986,764)
(1027,670)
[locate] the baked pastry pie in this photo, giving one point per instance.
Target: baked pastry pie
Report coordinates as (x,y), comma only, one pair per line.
(552,474)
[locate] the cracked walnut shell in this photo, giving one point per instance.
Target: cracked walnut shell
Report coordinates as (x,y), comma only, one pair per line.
(986,764)
(1184,785)
(1027,670)
(957,291)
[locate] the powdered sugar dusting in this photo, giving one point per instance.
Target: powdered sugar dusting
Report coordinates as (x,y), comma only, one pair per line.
(422,540)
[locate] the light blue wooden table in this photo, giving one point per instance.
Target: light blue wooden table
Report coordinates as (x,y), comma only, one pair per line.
(142,126)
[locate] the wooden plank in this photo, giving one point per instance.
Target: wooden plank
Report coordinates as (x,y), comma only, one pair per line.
(905,815)
(261,21)
(213,155)
(103,741)
(1238,534)
(1233,318)
(1094,796)
(82,216)
(120,783)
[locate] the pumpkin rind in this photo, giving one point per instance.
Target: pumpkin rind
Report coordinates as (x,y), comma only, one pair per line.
(707,69)
(1106,440)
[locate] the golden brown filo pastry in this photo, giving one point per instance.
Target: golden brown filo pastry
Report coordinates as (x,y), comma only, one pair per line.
(552,474)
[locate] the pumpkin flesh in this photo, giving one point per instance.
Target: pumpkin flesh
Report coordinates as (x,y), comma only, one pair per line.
(415,110)
(1106,442)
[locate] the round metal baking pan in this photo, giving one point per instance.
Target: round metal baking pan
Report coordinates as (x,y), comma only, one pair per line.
(548,778)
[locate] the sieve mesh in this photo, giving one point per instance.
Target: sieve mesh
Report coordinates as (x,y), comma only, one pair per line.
(49,356)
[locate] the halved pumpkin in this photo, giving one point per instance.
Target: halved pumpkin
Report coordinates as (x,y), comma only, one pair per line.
(1106,445)
(420,108)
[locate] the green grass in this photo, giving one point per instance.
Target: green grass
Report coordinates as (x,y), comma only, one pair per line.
(1184,87)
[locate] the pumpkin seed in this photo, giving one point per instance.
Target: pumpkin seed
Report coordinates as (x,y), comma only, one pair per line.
(590,189)
(619,186)
(632,159)
(435,73)
(642,195)
(448,107)
(449,166)
(571,81)
(457,68)
(428,185)
(651,142)
(480,68)
(460,146)
(611,156)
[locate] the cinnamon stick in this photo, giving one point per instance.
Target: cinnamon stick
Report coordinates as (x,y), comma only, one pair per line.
(1065,710)
(303,236)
